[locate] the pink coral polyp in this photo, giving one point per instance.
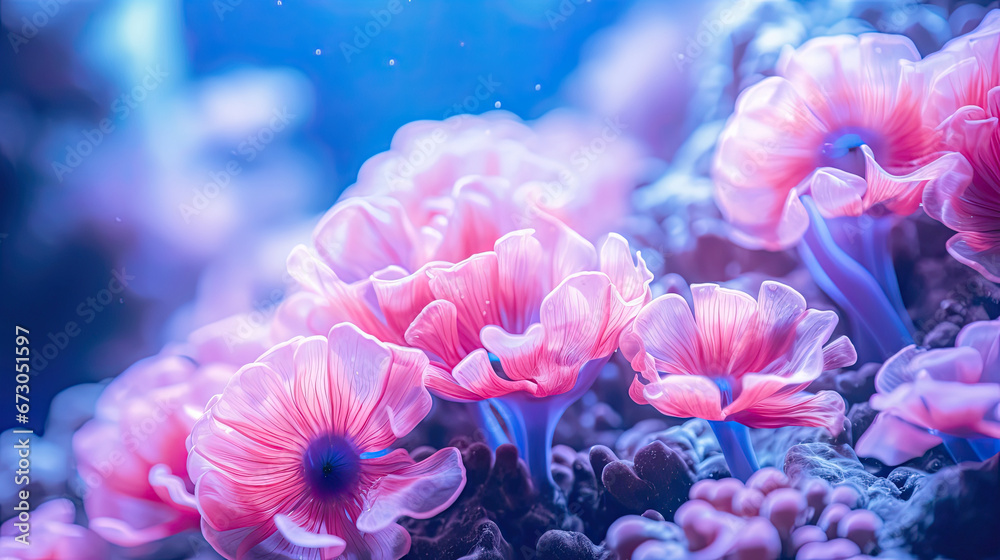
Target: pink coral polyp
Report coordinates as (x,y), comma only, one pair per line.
(736,358)
(290,460)
(842,121)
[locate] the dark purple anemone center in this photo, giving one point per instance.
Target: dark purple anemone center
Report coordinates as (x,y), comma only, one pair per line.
(332,466)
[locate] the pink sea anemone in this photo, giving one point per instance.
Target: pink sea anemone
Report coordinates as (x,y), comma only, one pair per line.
(132,455)
(841,121)
(737,362)
(579,170)
(966,95)
(542,302)
(52,536)
(291,460)
(926,397)
(531,321)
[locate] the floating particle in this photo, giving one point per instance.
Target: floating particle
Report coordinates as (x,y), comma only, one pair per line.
(319,52)
(497,104)
(392,62)
(538,87)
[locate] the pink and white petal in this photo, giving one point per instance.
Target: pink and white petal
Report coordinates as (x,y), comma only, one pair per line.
(519,354)
(171,488)
(836,192)
(896,371)
(959,364)
(685,396)
(822,410)
(380,224)
(953,408)
(476,375)
(442,383)
(894,441)
(402,299)
(804,361)
(378,394)
(477,219)
(839,354)
(629,278)
(343,302)
(570,253)
(779,309)
(473,287)
(331,545)
(902,194)
(766,145)
(984,337)
(725,319)
(520,257)
(636,391)
(665,329)
(775,231)
(419,490)
(980,251)
(435,330)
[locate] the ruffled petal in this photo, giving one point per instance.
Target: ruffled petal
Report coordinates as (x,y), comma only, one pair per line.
(520,257)
(984,337)
(419,490)
(725,321)
(473,287)
(402,299)
(380,224)
(980,251)
(952,408)
(822,410)
(297,536)
(839,354)
(665,329)
(894,441)
(435,330)
(475,374)
(685,396)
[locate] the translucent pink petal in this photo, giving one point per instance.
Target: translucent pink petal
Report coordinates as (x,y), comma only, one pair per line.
(377,223)
(894,441)
(473,287)
(420,490)
(666,330)
(958,409)
(822,410)
(435,330)
(476,375)
(725,321)
(981,251)
(984,337)
(402,299)
(520,257)
(839,354)
(685,396)
(295,535)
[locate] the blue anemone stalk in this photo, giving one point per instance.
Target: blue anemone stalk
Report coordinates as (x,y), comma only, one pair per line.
(533,423)
(734,438)
(493,431)
(853,287)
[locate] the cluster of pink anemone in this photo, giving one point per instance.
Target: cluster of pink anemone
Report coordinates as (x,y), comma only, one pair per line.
(471,261)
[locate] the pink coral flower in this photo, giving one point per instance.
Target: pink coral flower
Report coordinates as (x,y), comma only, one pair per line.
(924,394)
(736,358)
(967,87)
(576,169)
(132,455)
(52,536)
(290,462)
(842,121)
(539,306)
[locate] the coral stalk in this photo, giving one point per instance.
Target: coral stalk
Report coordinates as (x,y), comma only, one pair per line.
(734,438)
(852,287)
